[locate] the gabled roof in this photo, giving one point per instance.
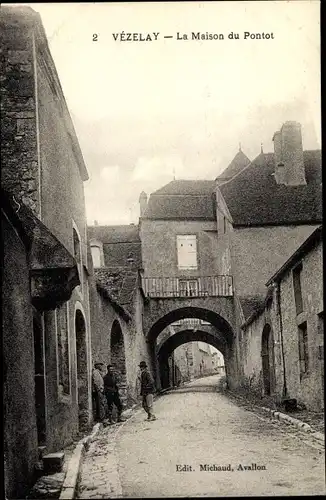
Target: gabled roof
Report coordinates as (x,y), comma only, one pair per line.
(183,199)
(255,199)
(114,234)
(239,162)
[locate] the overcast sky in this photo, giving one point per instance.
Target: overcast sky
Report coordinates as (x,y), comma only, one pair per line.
(146,111)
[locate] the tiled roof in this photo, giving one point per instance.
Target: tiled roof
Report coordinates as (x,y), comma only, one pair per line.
(119,283)
(239,162)
(187,187)
(118,254)
(254,198)
(183,199)
(251,305)
(114,234)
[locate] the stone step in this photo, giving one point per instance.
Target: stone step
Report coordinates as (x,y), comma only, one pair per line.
(53,462)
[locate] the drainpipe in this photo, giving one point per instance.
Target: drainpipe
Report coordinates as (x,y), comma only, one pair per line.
(279,310)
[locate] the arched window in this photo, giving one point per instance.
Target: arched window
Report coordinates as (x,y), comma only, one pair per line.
(96,255)
(78,257)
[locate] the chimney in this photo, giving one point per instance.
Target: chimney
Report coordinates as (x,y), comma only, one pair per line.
(288,150)
(95,223)
(279,165)
(142,203)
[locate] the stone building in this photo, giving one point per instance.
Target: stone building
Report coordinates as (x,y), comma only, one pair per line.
(201,238)
(46,313)
(283,340)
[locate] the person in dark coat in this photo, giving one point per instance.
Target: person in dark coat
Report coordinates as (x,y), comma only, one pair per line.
(147,390)
(111,390)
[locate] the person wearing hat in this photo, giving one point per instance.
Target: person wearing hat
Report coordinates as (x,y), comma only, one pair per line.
(147,389)
(111,390)
(98,392)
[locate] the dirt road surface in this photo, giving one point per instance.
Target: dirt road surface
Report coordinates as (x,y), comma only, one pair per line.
(201,444)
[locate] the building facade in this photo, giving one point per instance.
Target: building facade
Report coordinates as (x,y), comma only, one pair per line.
(284,340)
(48,368)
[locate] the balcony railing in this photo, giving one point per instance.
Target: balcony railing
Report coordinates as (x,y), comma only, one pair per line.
(203,286)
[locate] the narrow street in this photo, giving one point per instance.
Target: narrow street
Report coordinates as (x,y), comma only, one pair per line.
(196,426)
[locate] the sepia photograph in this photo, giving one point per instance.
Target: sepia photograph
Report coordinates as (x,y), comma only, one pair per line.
(162,273)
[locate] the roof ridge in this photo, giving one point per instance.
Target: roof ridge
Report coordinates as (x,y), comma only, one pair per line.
(245,168)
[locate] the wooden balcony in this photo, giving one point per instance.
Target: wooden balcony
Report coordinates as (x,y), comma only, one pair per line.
(203,286)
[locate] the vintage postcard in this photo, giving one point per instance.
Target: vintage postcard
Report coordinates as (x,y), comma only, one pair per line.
(161,197)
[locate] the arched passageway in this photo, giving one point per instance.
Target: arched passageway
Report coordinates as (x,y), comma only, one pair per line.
(267,354)
(82,374)
(165,361)
(118,359)
(223,339)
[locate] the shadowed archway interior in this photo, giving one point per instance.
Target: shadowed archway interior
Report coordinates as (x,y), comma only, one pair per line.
(223,339)
(82,376)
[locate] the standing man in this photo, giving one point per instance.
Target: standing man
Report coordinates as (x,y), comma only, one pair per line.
(147,389)
(111,390)
(98,392)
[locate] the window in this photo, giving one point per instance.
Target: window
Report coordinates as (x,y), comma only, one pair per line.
(321,326)
(188,288)
(297,288)
(224,224)
(63,349)
(187,251)
(77,255)
(96,256)
(303,348)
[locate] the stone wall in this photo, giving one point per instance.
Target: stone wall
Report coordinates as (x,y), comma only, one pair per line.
(20,440)
(308,389)
(134,348)
(20,167)
(159,247)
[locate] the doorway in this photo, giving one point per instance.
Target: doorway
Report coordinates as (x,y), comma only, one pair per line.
(82,375)
(267,354)
(39,378)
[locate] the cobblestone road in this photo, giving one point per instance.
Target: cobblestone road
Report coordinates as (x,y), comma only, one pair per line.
(196,426)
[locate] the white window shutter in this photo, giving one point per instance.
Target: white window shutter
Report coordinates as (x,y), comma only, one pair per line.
(187,251)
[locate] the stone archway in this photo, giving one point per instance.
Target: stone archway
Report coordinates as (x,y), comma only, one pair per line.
(82,374)
(118,359)
(267,355)
(180,338)
(221,324)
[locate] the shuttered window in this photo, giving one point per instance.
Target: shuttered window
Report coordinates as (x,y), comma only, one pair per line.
(187,251)
(96,256)
(303,348)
